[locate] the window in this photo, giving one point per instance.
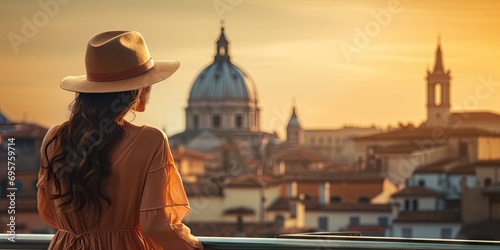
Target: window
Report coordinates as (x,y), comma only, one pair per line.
(196,122)
(407,232)
(336,199)
(239,121)
(407,205)
(446,233)
(354,221)
(216,121)
(411,204)
(437,94)
(323,223)
(415,204)
(363,199)
(383,221)
(222,51)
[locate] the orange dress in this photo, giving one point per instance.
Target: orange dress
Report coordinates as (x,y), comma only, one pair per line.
(149,201)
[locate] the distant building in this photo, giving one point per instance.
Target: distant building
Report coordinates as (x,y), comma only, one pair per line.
(27,138)
(223,116)
(398,153)
(336,144)
(481,202)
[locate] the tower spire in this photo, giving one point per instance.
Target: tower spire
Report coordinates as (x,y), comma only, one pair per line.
(438,65)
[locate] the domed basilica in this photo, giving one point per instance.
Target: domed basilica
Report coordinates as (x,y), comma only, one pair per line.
(223,115)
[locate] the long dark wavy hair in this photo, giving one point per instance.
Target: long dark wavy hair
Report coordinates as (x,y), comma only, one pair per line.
(80,165)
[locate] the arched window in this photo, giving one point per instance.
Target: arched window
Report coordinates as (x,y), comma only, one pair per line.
(222,51)
(438,94)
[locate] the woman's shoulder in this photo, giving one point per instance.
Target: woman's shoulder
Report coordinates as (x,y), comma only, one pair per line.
(150,133)
(51,132)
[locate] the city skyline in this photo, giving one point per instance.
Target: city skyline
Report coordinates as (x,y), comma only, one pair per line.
(327,55)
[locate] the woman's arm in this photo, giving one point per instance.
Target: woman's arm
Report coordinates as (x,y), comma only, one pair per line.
(164,205)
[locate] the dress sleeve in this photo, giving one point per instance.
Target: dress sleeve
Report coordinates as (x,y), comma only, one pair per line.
(43,206)
(164,205)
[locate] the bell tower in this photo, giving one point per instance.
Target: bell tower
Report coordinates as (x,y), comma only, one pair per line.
(438,92)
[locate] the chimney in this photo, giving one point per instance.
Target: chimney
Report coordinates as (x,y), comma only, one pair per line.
(324,193)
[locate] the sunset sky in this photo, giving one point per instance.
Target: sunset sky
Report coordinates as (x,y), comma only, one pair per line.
(293,49)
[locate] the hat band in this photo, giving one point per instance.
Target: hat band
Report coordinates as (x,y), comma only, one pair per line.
(115,76)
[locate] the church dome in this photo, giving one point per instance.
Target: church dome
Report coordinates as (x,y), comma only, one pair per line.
(223,80)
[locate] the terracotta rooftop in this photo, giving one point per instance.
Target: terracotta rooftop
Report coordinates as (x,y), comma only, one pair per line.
(428,216)
(464,169)
(398,149)
(181,152)
(299,154)
(487,163)
(252,181)
(475,116)
(283,204)
(417,191)
(333,176)
(424,133)
(239,211)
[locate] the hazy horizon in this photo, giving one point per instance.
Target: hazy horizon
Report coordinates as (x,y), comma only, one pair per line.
(293,49)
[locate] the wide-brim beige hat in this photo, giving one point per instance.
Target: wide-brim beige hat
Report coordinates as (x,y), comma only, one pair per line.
(118,61)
